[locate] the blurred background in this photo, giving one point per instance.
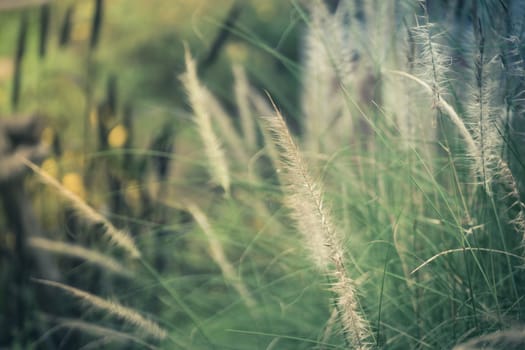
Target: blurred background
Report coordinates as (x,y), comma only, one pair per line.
(93,89)
(143,203)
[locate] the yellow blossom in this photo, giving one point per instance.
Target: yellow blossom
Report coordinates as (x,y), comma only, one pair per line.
(74,183)
(50,166)
(118,136)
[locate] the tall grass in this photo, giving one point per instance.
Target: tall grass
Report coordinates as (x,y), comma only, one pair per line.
(304,197)
(393,219)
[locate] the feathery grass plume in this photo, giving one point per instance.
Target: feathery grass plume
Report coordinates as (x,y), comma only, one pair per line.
(329,327)
(113,308)
(512,52)
(77,251)
(242,92)
(219,256)
(432,60)
(212,146)
(108,333)
(497,98)
(482,125)
(119,237)
(505,177)
(432,68)
(482,113)
(329,63)
(510,339)
(304,198)
(400,100)
(299,186)
(513,59)
(445,107)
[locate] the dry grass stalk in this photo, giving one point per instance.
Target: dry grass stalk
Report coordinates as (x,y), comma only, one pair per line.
(505,339)
(481,130)
(432,61)
(77,251)
(219,256)
(118,237)
(212,146)
(304,197)
(446,108)
(113,308)
(488,165)
(505,177)
(236,145)
(329,327)
(107,333)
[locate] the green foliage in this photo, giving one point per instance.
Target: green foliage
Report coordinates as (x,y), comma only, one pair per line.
(391,216)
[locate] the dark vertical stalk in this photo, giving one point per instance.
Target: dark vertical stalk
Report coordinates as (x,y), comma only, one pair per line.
(222,36)
(360,14)
(112,94)
(19,56)
(332,5)
(22,222)
(91,71)
(103,117)
(45,15)
(96,23)
(128,124)
(65,28)
(335,304)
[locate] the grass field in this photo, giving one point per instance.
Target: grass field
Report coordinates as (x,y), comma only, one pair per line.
(262,175)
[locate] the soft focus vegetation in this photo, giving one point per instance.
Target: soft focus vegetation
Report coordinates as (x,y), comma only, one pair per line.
(262,174)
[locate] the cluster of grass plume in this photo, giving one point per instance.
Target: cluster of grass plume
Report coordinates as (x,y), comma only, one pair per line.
(103,261)
(198,98)
(411,239)
(118,237)
(105,336)
(304,197)
(219,256)
(112,308)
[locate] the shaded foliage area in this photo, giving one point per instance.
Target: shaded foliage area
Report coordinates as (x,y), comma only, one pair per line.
(242,174)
